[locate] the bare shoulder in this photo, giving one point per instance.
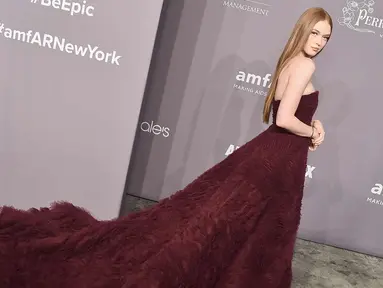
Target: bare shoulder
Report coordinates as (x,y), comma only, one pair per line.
(303,65)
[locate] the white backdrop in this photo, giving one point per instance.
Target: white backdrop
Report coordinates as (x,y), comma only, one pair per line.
(72,79)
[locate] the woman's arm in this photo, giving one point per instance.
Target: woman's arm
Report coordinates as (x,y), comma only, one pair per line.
(300,76)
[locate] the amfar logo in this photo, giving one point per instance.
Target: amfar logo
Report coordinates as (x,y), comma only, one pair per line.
(377,190)
(155,129)
(249,80)
(252,6)
(356,16)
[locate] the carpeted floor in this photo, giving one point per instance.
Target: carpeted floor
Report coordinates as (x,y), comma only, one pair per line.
(316,265)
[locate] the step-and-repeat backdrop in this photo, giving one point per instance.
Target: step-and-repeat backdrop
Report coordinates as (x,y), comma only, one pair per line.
(72,77)
(205,95)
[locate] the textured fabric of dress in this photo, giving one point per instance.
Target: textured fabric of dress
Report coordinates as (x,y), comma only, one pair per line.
(232,227)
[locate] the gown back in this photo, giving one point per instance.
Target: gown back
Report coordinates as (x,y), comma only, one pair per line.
(234,226)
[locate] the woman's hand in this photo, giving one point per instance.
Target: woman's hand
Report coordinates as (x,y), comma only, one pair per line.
(314,139)
(319,127)
(313,147)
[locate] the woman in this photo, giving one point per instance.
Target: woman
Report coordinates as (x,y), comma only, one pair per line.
(233,227)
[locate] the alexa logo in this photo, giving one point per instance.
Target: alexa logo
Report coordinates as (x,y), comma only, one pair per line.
(152,128)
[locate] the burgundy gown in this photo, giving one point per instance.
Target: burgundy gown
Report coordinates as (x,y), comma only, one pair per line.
(232,227)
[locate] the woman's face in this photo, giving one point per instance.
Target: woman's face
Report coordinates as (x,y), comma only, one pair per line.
(318,38)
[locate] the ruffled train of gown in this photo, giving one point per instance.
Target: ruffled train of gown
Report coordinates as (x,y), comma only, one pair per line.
(233,227)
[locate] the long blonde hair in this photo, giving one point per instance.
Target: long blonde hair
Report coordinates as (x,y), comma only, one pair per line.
(294,46)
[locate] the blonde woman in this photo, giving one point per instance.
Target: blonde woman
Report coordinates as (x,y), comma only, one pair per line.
(232,227)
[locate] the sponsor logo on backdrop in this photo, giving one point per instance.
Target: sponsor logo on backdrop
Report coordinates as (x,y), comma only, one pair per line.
(252,6)
(310,171)
(61,44)
(359,16)
(231,149)
(252,83)
(68,6)
(309,168)
(377,197)
(153,128)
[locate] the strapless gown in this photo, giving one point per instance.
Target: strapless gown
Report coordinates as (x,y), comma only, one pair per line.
(234,226)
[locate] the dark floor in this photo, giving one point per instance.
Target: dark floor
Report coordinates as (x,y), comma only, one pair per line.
(316,265)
